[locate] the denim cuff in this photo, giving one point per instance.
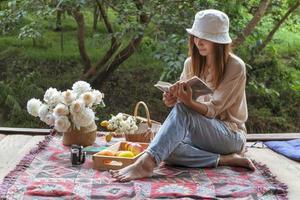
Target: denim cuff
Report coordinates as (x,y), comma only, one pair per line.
(217,161)
(157,160)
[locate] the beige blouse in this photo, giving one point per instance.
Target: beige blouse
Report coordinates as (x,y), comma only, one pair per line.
(228,101)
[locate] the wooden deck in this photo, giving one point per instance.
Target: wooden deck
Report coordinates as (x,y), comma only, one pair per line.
(13,147)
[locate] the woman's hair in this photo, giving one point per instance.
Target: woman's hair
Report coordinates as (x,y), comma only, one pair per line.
(221,53)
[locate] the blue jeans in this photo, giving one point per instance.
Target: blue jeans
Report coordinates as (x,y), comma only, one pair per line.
(190,139)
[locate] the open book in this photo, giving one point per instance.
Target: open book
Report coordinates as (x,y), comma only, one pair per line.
(198,86)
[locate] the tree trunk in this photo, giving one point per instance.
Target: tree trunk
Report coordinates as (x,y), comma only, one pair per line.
(113,48)
(96,16)
(33,42)
(251,25)
(61,40)
(80,37)
(58,20)
(109,67)
(276,27)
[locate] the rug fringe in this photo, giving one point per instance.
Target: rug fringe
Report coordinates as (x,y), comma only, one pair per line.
(264,169)
(12,176)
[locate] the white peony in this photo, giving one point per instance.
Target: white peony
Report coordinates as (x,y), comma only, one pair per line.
(98,96)
(119,117)
(83,118)
(68,97)
(52,96)
(62,124)
(60,110)
(135,128)
(43,111)
(49,119)
(77,106)
(124,126)
(33,106)
(88,98)
(81,87)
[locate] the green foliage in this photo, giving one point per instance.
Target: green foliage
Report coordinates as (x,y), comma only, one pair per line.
(30,31)
(173,57)
(26,71)
(272,98)
(262,120)
(9,20)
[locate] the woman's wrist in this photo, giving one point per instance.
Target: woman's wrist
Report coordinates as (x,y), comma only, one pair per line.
(190,104)
(197,106)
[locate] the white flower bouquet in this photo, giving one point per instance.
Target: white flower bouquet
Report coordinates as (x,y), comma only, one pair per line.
(133,127)
(121,123)
(68,109)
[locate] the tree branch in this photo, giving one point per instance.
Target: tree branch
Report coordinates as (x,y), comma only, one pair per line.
(276,27)
(112,7)
(79,18)
(104,16)
(251,25)
(126,52)
(113,48)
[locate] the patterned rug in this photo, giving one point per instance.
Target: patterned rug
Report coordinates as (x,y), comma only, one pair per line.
(46,173)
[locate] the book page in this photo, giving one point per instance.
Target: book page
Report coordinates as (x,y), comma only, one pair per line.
(163,86)
(198,86)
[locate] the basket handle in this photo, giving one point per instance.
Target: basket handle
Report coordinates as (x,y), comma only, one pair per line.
(147,112)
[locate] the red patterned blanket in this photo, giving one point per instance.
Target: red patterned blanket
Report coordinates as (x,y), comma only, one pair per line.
(46,173)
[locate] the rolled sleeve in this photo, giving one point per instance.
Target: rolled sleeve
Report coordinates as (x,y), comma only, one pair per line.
(210,111)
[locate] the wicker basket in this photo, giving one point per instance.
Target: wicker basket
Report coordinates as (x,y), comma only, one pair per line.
(86,136)
(146,129)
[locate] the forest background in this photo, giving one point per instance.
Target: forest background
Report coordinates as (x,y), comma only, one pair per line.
(124,47)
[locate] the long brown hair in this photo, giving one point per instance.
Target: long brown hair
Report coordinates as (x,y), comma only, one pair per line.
(221,54)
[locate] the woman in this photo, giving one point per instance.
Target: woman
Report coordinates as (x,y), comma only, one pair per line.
(209,131)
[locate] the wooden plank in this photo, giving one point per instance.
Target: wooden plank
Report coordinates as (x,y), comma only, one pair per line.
(25,131)
(272,136)
(13,148)
(286,170)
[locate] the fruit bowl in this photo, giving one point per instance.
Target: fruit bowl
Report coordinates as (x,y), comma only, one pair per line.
(118,155)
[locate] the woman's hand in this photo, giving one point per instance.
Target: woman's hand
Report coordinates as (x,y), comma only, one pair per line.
(169,99)
(184,93)
(174,89)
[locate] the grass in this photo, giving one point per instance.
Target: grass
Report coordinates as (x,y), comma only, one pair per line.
(49,47)
(286,44)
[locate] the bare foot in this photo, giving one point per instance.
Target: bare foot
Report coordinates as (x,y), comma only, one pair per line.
(236,160)
(243,151)
(142,168)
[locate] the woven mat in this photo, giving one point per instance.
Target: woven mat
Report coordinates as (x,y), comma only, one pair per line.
(46,173)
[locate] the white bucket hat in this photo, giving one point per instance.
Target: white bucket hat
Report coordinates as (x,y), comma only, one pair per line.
(212,25)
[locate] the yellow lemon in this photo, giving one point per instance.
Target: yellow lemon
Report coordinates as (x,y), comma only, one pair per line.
(104,123)
(127,154)
(108,137)
(135,148)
